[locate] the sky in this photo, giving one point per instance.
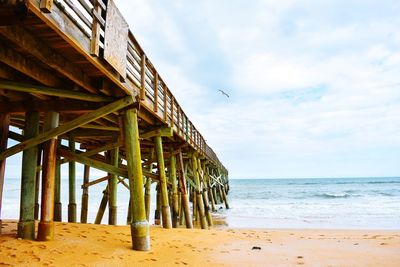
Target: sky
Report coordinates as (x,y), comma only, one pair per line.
(314,85)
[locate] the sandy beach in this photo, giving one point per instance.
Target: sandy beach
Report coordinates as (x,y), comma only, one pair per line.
(102,245)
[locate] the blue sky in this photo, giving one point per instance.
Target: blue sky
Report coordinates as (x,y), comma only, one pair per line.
(314,85)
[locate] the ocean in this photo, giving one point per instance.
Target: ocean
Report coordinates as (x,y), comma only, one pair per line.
(336,203)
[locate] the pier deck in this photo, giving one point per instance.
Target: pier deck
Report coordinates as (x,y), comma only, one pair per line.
(72,70)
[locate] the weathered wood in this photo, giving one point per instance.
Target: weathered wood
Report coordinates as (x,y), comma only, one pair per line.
(88,184)
(199,196)
(97,150)
(37,182)
(26,224)
(50,91)
(157,211)
(27,66)
(174,190)
(155,109)
(147,191)
(85,194)
(163,131)
(93,163)
(139,225)
(4,127)
(95,38)
(59,105)
(165,210)
(116,31)
(57,190)
(142,93)
(102,207)
(46,5)
(184,196)
(46,224)
(207,210)
(71,184)
(112,187)
(38,48)
(84,119)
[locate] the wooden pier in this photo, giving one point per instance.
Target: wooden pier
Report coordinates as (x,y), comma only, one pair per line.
(71,72)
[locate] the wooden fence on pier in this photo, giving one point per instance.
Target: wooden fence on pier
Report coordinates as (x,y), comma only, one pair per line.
(72,70)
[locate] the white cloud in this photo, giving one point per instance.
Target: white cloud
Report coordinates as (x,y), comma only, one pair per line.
(310,85)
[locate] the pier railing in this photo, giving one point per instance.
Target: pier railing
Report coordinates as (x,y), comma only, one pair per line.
(97,19)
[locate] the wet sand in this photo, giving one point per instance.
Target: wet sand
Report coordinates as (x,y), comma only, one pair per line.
(101,245)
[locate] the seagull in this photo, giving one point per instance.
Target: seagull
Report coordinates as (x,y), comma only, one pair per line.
(222,92)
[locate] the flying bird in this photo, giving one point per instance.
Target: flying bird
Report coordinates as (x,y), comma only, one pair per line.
(222,92)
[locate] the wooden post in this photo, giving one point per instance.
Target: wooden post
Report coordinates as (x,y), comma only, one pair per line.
(223,194)
(57,191)
(174,189)
(37,182)
(26,224)
(4,126)
(205,195)
(199,196)
(147,192)
(139,225)
(71,183)
(85,194)
(129,213)
(184,196)
(102,207)
(112,186)
(157,211)
(46,224)
(166,212)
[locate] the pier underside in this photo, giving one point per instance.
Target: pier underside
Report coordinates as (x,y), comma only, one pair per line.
(71,93)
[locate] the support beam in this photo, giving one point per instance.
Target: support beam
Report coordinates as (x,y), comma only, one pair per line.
(163,132)
(57,190)
(102,207)
(147,191)
(165,210)
(174,189)
(84,119)
(71,184)
(4,126)
(157,211)
(199,196)
(51,91)
(139,225)
(37,182)
(37,47)
(184,196)
(112,188)
(27,66)
(46,224)
(26,224)
(85,194)
(59,105)
(205,194)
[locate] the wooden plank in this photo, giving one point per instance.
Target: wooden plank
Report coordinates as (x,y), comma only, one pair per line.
(163,131)
(84,119)
(36,89)
(59,105)
(95,38)
(93,163)
(116,32)
(38,48)
(102,179)
(66,28)
(26,66)
(45,5)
